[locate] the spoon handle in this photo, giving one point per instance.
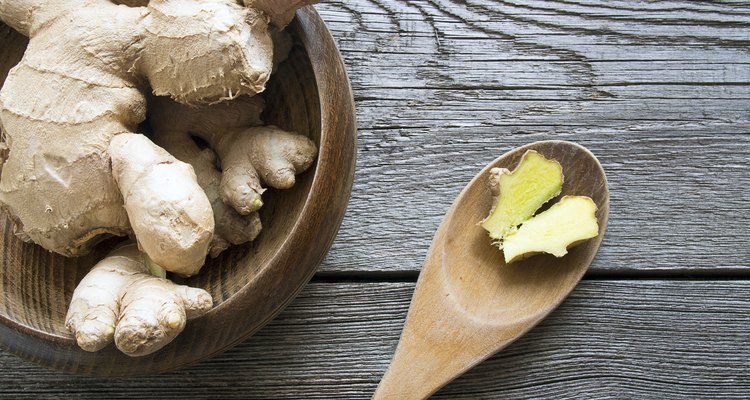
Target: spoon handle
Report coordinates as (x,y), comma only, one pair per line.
(439,341)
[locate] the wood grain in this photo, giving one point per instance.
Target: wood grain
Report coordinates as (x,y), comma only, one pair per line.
(610,339)
(658,91)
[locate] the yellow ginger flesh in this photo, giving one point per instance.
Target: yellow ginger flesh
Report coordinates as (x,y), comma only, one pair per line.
(566,223)
(520,193)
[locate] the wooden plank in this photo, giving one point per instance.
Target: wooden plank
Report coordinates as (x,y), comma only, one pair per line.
(659,91)
(678,202)
(610,339)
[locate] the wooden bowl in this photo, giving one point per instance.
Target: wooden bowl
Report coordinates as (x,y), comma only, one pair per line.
(250,284)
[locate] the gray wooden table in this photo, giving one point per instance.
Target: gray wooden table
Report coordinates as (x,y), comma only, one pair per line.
(659,91)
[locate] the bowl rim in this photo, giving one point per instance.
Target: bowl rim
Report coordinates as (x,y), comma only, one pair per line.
(324,209)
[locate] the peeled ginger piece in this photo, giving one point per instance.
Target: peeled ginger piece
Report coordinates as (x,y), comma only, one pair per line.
(565,224)
(520,193)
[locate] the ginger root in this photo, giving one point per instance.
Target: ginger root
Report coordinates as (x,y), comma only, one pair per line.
(120,300)
(74,171)
(280,13)
(173,124)
(249,155)
(167,212)
(78,93)
(519,194)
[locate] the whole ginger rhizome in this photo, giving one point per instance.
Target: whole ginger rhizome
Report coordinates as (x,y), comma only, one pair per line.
(75,171)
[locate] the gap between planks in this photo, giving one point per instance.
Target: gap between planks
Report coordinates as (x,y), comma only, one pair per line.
(717,274)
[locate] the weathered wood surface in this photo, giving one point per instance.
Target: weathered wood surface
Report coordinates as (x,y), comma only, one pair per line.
(610,339)
(659,91)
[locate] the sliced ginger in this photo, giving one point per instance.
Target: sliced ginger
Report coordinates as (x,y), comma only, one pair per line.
(567,222)
(519,194)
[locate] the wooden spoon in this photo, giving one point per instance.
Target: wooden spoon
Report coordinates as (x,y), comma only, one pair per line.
(468,304)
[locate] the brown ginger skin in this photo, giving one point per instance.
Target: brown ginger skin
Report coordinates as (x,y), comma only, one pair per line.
(250,155)
(176,125)
(73,170)
(120,301)
(173,124)
(280,13)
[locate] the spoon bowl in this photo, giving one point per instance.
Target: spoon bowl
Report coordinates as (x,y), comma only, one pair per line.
(468,304)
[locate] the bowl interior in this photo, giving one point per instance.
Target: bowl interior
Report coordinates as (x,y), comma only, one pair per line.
(36,286)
